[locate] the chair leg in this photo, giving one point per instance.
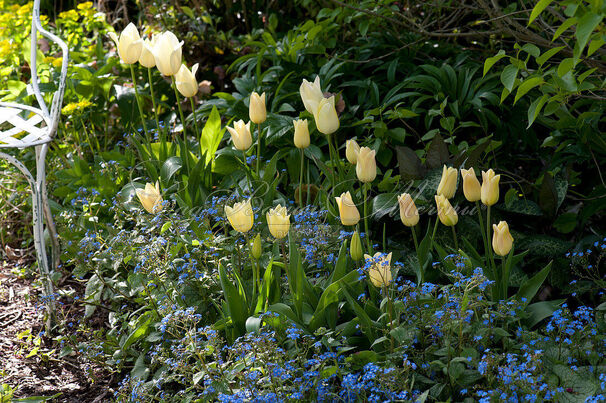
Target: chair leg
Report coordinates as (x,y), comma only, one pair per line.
(52,229)
(40,246)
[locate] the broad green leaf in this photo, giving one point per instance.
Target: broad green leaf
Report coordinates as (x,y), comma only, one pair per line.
(508,76)
(565,25)
(547,55)
(587,23)
(538,9)
(526,86)
(529,289)
(488,63)
(565,66)
(596,42)
(235,299)
(212,133)
(535,109)
(139,331)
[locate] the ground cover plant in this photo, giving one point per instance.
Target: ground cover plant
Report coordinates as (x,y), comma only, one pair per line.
(264,203)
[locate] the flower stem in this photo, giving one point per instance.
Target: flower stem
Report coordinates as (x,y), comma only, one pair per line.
(482,228)
(246,170)
(179,107)
(414,238)
(132,72)
(489,250)
(193,109)
(258,148)
(367,234)
(454,237)
(153,97)
(301,177)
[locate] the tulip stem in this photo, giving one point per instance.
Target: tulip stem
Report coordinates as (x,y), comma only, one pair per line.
(252,261)
(153,98)
(193,110)
(505,279)
(367,234)
(258,149)
(132,72)
(246,171)
(454,237)
(414,238)
(332,160)
(180,109)
(489,250)
(482,228)
(301,177)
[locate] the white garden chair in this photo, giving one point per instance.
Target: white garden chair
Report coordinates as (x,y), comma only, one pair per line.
(23,126)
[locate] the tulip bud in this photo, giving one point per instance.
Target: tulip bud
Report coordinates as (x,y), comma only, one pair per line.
(150,198)
(490,187)
(366,166)
(147,59)
(278,221)
(129,44)
(186,81)
(347,209)
(311,94)
(256,108)
(447,214)
(448,183)
(301,133)
(240,216)
(256,248)
(355,248)
(409,214)
(471,185)
(167,52)
(240,135)
(326,117)
(502,240)
(352,149)
(380,270)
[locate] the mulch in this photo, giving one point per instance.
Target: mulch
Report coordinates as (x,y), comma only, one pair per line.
(44,373)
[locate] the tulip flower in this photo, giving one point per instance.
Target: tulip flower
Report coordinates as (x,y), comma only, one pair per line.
(448,182)
(129,44)
(278,221)
(311,94)
(301,138)
(326,117)
(347,209)
(240,135)
(447,214)
(147,59)
(256,109)
(366,166)
(355,248)
(256,248)
(240,216)
(380,270)
(502,240)
(186,81)
(490,187)
(409,214)
(352,149)
(167,52)
(471,185)
(150,198)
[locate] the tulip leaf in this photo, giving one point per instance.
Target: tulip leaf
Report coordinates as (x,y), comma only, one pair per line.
(212,134)
(529,289)
(171,166)
(410,164)
(326,310)
(235,299)
(437,153)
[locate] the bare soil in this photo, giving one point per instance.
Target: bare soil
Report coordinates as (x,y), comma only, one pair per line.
(44,372)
